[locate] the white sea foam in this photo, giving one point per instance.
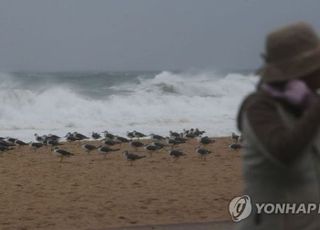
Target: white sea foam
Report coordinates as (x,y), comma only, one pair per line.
(165,102)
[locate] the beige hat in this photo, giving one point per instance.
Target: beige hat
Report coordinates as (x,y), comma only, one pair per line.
(291,52)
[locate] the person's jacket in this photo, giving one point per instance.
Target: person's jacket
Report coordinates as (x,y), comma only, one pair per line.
(281,160)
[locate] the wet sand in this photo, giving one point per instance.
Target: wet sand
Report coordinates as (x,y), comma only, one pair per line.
(89,192)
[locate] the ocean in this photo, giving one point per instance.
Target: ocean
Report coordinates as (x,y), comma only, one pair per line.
(150,102)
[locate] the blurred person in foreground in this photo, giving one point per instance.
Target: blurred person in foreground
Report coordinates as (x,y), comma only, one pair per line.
(280,124)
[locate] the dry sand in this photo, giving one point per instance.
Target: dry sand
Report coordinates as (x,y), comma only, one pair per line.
(89,192)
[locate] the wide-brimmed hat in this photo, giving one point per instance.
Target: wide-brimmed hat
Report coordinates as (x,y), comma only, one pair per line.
(291,52)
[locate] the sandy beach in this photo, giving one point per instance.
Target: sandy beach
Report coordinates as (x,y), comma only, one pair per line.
(88,192)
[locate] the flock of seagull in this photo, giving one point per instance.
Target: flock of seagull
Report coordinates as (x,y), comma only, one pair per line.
(111,143)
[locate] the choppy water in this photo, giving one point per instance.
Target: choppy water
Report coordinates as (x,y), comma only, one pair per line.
(120,101)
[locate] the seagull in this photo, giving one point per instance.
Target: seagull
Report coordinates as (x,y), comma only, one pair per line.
(174,142)
(40,138)
(52,142)
(88,148)
(176,153)
(71,138)
(235,138)
(110,142)
(138,134)
(190,135)
(158,144)
(104,150)
(37,137)
(95,135)
(35,145)
(4,148)
(152,148)
(235,146)
(174,134)
(130,135)
(121,139)
(75,136)
(157,137)
(203,153)
(136,144)
(6,143)
(206,140)
(20,143)
(61,153)
(132,157)
(79,136)
(53,137)
(11,140)
(108,135)
(180,139)
(198,133)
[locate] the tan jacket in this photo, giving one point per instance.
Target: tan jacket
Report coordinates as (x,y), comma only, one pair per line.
(281,160)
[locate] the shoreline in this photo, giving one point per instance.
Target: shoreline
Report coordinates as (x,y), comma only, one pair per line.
(89,192)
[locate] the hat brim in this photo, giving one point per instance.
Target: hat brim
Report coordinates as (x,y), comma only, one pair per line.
(293,68)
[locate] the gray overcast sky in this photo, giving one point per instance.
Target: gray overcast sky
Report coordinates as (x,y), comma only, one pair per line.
(60,35)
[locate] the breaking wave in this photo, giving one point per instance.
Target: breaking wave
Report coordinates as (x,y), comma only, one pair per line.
(158,103)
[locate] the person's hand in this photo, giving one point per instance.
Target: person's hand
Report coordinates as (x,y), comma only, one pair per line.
(296,92)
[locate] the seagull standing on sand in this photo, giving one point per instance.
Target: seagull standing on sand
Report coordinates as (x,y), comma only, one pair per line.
(79,136)
(75,136)
(174,142)
(190,135)
(20,143)
(35,145)
(235,146)
(6,143)
(206,140)
(40,138)
(197,132)
(130,135)
(176,154)
(136,145)
(121,140)
(174,134)
(180,139)
(235,138)
(110,142)
(138,134)
(108,135)
(53,137)
(88,148)
(71,138)
(11,140)
(132,157)
(61,153)
(4,149)
(52,142)
(95,135)
(152,148)
(156,137)
(203,153)
(104,150)
(158,144)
